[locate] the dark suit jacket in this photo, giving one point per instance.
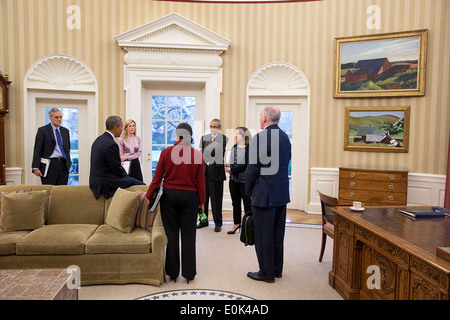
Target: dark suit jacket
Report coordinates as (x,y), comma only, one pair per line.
(45,144)
(213,154)
(266,178)
(107,173)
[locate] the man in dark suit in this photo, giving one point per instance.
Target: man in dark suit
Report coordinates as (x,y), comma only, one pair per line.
(213,148)
(267,183)
(107,173)
(52,143)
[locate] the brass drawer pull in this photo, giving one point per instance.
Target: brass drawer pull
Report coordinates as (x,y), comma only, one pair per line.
(392,177)
(391,187)
(352,175)
(352,184)
(351,194)
(391,198)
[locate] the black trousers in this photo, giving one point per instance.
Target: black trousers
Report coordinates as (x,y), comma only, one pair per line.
(58,173)
(214,190)
(135,170)
(237,192)
(269,224)
(179,210)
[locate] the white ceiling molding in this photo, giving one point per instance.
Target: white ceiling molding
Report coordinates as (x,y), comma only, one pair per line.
(278,78)
(60,72)
(173,41)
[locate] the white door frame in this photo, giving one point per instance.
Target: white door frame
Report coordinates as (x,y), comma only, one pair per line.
(83,144)
(145,131)
(299,174)
(281,83)
(58,77)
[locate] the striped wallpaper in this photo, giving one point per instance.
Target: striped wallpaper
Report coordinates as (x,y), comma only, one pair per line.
(299,33)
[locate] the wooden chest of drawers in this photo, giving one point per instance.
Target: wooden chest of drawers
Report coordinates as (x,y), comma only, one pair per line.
(372,187)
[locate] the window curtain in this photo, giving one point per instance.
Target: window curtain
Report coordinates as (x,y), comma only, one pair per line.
(447,182)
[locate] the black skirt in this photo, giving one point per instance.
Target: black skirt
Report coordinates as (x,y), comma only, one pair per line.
(135,170)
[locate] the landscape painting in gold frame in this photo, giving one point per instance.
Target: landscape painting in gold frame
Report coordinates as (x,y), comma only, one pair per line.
(382,65)
(379,129)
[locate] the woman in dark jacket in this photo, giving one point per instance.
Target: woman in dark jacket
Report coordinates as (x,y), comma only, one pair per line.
(181,166)
(236,166)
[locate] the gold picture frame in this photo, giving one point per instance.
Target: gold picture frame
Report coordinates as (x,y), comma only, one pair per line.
(381,65)
(378,129)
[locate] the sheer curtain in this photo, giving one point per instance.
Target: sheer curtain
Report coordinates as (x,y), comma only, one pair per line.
(447,183)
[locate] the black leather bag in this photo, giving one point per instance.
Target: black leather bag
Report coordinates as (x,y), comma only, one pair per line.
(247,231)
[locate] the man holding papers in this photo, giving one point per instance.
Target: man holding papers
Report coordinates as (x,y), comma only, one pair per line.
(51,156)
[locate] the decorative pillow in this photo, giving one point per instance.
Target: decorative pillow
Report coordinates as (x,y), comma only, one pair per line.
(122,210)
(18,191)
(144,218)
(23,211)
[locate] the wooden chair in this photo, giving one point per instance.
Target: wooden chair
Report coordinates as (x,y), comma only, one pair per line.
(327,203)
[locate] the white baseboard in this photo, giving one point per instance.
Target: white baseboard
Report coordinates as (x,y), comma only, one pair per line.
(426,189)
(13,176)
(327,181)
(423,189)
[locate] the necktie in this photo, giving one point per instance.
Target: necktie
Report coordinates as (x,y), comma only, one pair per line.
(59,140)
(212,139)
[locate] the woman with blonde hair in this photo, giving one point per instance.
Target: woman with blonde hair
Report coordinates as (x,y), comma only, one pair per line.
(131,149)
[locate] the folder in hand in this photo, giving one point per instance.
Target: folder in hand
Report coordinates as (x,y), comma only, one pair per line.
(45,164)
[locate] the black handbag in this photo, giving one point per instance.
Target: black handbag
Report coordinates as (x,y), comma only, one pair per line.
(248,230)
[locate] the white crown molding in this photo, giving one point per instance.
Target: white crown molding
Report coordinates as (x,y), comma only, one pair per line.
(278,78)
(60,72)
(173,40)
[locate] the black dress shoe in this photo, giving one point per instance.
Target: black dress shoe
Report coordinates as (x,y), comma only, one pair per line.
(217,229)
(257,277)
(202,225)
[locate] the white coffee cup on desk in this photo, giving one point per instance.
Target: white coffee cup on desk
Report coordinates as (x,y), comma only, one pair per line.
(357,205)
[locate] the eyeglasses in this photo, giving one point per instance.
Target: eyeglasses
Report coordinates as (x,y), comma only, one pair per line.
(214,127)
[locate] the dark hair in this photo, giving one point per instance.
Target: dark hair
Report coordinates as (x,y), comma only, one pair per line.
(184,133)
(246,134)
(112,122)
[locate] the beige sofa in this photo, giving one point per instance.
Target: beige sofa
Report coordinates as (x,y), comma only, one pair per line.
(76,230)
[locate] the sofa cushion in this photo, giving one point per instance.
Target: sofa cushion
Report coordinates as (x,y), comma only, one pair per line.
(122,210)
(144,217)
(56,239)
(107,239)
(23,211)
(16,191)
(8,241)
(75,205)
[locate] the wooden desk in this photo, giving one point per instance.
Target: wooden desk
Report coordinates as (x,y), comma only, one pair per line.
(403,249)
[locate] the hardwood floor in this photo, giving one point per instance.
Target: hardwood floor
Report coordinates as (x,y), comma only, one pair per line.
(295,216)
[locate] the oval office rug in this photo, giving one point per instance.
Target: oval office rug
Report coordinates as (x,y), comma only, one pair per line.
(195,294)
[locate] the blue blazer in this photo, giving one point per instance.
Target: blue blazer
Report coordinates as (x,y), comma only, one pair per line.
(266,177)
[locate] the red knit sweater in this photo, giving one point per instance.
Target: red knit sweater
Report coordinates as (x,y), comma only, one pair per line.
(182,169)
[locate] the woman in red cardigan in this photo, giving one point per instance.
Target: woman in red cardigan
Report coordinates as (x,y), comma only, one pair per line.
(181,166)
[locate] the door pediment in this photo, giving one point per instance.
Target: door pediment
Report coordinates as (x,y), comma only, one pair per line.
(172,33)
